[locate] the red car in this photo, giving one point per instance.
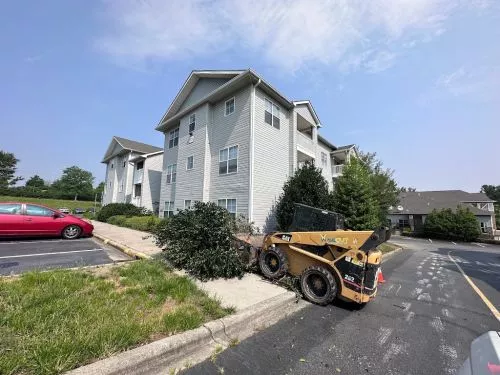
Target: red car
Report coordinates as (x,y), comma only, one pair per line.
(26,219)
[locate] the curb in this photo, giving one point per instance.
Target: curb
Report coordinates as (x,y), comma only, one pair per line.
(389,255)
(124,249)
(186,349)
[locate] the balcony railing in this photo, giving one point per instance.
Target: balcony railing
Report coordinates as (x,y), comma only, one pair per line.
(305,142)
(337,169)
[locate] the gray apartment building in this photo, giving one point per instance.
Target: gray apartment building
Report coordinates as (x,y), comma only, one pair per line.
(232,138)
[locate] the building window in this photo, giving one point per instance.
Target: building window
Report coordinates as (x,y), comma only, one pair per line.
(272,114)
(187,204)
(112,165)
(124,162)
(229,205)
(137,190)
(120,188)
(229,106)
(140,165)
(171,174)
(228,160)
(190,163)
(192,123)
(169,209)
(324,160)
(484,227)
(110,184)
(173,138)
(404,223)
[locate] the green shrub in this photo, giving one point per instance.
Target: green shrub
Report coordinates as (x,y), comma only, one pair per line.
(117,220)
(113,209)
(446,224)
(200,240)
(144,223)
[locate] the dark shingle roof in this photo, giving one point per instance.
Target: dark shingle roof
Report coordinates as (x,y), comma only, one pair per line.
(344,147)
(423,202)
(136,146)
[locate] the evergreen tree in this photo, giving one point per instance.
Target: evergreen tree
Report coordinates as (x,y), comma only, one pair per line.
(353,197)
(306,186)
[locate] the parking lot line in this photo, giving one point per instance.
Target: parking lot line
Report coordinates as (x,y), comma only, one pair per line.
(16,242)
(41,254)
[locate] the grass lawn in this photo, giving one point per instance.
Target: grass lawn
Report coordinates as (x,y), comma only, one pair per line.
(51,322)
(52,203)
(387,247)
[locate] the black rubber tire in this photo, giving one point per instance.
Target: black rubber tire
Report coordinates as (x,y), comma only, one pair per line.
(71,232)
(273,270)
(318,285)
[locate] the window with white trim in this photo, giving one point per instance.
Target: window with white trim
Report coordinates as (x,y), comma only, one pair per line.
(192,123)
(172,174)
(228,160)
(124,162)
(229,205)
(229,106)
(120,188)
(272,114)
(140,165)
(173,138)
(187,204)
(324,160)
(169,209)
(137,190)
(190,163)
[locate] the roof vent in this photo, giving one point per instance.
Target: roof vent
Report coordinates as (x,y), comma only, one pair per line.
(400,208)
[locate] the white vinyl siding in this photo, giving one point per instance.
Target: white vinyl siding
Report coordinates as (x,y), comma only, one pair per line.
(229,205)
(323,154)
(229,107)
(203,87)
(228,160)
(225,132)
(271,162)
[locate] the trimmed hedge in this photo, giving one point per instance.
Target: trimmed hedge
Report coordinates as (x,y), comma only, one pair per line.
(446,224)
(142,223)
(113,209)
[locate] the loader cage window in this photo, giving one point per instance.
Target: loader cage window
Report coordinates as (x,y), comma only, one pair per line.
(311,219)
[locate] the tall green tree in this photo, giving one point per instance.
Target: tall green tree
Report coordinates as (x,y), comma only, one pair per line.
(8,166)
(75,182)
(354,197)
(384,187)
(493,192)
(35,182)
(99,190)
(306,186)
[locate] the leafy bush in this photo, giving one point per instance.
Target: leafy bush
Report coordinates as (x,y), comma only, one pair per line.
(306,186)
(117,220)
(200,240)
(113,209)
(144,223)
(446,224)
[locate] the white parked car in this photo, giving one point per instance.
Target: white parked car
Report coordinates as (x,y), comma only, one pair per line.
(64,210)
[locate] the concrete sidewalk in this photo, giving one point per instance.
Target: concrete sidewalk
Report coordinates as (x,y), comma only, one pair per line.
(238,293)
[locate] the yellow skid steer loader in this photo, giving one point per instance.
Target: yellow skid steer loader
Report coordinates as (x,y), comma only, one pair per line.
(330,263)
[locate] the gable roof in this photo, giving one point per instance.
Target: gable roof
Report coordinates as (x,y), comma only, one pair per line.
(239,79)
(191,82)
(128,145)
(311,109)
(423,202)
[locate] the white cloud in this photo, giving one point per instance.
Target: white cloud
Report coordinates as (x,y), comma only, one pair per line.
(290,34)
(482,82)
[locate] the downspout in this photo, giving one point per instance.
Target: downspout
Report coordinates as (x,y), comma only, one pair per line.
(252,150)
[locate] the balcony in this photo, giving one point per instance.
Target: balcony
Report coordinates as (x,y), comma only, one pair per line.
(138,176)
(305,144)
(337,170)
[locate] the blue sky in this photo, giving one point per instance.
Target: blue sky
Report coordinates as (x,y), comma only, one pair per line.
(417,81)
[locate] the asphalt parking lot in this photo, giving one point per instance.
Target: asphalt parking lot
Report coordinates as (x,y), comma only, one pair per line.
(18,256)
